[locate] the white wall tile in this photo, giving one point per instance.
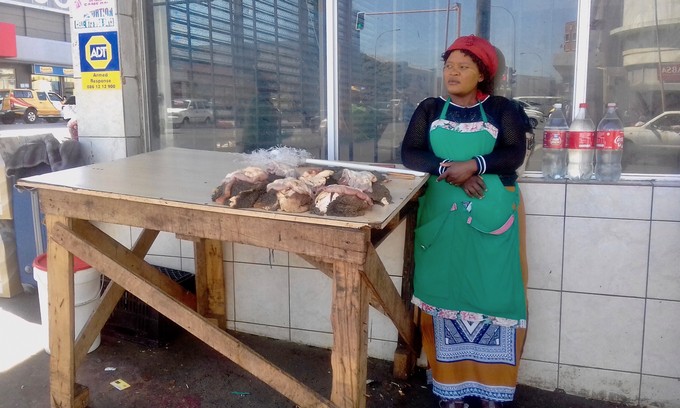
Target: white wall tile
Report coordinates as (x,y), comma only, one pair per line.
(543,198)
(310,300)
(543,327)
(606,256)
(188,265)
(538,374)
(661,356)
(601,331)
(312,338)
(609,201)
(120,233)
(544,242)
(659,392)
(274,332)
(262,294)
(666,201)
(380,327)
(165,244)
(186,248)
(664,261)
(381,349)
(173,262)
(391,251)
(253,254)
(296,261)
(614,386)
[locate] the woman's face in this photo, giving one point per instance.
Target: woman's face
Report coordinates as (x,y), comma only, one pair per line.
(461,75)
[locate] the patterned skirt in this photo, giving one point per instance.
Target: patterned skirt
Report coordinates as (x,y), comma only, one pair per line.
(472,359)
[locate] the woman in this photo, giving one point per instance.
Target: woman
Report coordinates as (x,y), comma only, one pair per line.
(470,272)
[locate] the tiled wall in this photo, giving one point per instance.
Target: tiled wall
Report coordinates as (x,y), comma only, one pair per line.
(604,290)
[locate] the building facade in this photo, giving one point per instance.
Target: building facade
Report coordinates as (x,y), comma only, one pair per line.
(41,34)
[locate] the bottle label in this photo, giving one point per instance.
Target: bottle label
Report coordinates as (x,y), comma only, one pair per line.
(609,140)
(581,139)
(554,139)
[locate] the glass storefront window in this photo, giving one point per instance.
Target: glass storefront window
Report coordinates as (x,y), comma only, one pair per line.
(398,62)
(8,79)
(258,68)
(239,76)
(69,86)
(45,83)
(635,63)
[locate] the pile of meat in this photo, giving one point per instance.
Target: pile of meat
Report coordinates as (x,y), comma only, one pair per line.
(332,191)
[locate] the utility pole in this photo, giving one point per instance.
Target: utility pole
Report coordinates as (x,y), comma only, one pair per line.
(484,19)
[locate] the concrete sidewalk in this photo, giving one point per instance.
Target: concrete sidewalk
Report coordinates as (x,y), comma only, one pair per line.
(188,374)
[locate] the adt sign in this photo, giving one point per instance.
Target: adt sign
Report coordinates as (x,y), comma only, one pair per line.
(99,51)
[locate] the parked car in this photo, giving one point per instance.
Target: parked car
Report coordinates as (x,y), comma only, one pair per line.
(543,103)
(654,145)
(535,115)
(30,105)
(185,111)
(68,108)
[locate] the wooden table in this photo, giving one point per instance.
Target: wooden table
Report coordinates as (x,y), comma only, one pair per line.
(169,190)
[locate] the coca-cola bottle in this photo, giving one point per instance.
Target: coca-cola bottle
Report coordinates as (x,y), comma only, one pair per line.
(580,145)
(609,146)
(555,145)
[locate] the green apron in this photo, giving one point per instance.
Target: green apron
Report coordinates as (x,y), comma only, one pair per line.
(467,249)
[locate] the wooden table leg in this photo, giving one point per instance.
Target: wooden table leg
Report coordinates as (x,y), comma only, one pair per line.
(404,357)
(210,282)
(350,336)
(61,315)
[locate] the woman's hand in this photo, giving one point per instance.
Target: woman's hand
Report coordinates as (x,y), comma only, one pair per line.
(474,187)
(457,173)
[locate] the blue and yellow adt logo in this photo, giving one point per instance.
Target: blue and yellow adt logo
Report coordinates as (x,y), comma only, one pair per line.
(99,61)
(98,52)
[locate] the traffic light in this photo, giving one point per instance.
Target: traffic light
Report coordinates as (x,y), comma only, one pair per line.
(360,20)
(513,76)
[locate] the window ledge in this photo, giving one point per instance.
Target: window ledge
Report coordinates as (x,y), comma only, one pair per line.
(627,179)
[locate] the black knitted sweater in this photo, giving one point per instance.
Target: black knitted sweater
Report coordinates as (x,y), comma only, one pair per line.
(506,115)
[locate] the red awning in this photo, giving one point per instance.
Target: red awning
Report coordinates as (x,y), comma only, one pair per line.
(8,40)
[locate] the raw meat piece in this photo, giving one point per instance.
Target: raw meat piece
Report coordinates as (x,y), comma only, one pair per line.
(293,195)
(363,180)
(248,181)
(343,201)
(316,178)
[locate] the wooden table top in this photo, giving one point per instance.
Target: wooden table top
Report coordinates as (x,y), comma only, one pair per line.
(186,178)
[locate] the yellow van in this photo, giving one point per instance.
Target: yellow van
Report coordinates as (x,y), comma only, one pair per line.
(29,105)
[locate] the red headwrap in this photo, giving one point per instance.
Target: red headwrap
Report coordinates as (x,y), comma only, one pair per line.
(481,48)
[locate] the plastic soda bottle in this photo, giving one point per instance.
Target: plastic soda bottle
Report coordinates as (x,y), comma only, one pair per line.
(555,145)
(609,146)
(580,145)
